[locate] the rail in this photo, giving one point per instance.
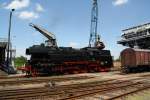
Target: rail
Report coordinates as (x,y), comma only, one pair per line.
(74,91)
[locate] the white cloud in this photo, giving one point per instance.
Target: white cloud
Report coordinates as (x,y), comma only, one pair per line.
(119,2)
(28,15)
(73,44)
(18,4)
(39,8)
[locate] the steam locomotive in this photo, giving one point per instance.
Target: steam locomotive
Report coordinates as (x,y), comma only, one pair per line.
(61,60)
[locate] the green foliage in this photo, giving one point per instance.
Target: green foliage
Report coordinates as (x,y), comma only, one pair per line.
(20,61)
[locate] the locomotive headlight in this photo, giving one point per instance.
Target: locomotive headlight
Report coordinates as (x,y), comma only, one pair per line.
(102,63)
(106,62)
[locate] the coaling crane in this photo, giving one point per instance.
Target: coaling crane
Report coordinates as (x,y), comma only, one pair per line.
(50,36)
(94,40)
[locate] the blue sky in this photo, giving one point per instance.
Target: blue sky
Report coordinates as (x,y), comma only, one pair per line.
(69,20)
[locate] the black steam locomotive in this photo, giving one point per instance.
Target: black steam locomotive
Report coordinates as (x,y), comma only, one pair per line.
(51,59)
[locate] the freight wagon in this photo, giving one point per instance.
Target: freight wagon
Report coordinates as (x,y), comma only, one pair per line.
(135,60)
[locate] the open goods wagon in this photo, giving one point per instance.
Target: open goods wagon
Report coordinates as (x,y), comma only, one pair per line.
(135,60)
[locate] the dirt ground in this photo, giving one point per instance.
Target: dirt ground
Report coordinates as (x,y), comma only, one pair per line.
(2,73)
(117,65)
(95,77)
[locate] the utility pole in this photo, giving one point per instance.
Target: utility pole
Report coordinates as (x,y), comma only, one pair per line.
(9,31)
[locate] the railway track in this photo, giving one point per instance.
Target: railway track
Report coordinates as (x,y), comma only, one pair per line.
(67,91)
(114,93)
(21,80)
(12,77)
(75,91)
(114,88)
(129,93)
(18,81)
(5,93)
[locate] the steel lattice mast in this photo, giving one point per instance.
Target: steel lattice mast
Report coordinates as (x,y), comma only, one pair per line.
(94,19)
(94,40)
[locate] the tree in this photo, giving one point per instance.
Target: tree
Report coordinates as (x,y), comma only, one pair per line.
(20,61)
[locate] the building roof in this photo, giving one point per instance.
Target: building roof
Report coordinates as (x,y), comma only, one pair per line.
(136,27)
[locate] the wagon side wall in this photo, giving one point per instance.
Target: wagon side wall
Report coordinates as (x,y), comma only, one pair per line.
(128,58)
(142,58)
(133,58)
